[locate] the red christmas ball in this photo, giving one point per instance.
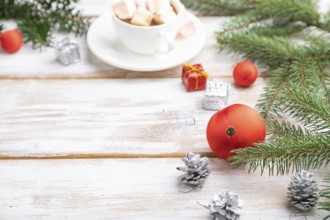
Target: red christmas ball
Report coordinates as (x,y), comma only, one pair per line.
(11,41)
(233,127)
(245,73)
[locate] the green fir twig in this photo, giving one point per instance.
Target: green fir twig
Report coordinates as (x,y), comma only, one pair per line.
(296,101)
(39,19)
(325,195)
(282,155)
(220,7)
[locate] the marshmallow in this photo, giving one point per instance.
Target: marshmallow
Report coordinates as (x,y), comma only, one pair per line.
(142,17)
(176,5)
(158,5)
(186,30)
(124,9)
(141,3)
(164,16)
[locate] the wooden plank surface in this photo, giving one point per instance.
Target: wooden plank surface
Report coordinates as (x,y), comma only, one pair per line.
(36,64)
(118,116)
(133,189)
(96,111)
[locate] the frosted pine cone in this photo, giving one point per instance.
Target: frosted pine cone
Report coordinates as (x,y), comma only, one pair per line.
(197,169)
(225,206)
(303,191)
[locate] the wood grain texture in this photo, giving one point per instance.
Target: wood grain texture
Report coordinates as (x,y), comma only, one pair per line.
(36,64)
(117,116)
(142,121)
(134,189)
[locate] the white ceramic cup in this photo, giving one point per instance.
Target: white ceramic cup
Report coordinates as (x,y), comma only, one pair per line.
(150,39)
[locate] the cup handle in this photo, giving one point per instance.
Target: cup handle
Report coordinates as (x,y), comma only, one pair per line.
(168,40)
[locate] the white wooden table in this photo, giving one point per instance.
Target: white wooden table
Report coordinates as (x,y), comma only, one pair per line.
(77,143)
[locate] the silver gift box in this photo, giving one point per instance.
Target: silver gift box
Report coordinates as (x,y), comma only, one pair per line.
(216,95)
(67,51)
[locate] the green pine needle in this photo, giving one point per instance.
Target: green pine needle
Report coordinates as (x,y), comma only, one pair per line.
(296,101)
(309,108)
(325,195)
(37,31)
(289,10)
(220,7)
(282,155)
(272,51)
(39,19)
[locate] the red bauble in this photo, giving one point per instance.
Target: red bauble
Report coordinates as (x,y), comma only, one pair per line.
(245,73)
(11,41)
(233,127)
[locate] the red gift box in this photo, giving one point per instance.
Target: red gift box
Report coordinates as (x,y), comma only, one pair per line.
(194,77)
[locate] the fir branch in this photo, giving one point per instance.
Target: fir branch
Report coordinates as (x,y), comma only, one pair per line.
(12,9)
(272,51)
(319,48)
(298,88)
(39,19)
(270,100)
(303,71)
(242,22)
(2,27)
(37,31)
(68,20)
(282,128)
(278,31)
(292,10)
(309,108)
(284,155)
(325,25)
(220,7)
(325,194)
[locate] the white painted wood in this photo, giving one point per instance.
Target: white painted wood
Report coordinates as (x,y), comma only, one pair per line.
(134,189)
(59,117)
(58,111)
(31,64)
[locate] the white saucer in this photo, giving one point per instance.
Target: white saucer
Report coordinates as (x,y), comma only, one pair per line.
(103,43)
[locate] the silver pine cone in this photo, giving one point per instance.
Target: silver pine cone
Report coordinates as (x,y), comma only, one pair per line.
(303,191)
(197,169)
(225,206)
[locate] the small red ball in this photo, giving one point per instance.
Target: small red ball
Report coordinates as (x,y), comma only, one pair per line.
(245,73)
(11,41)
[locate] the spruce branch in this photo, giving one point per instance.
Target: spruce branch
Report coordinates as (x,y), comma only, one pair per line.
(278,127)
(325,195)
(1,27)
(270,100)
(37,31)
(325,25)
(242,22)
(272,51)
(307,73)
(298,86)
(303,72)
(39,19)
(292,10)
(309,108)
(278,31)
(220,7)
(282,155)
(296,101)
